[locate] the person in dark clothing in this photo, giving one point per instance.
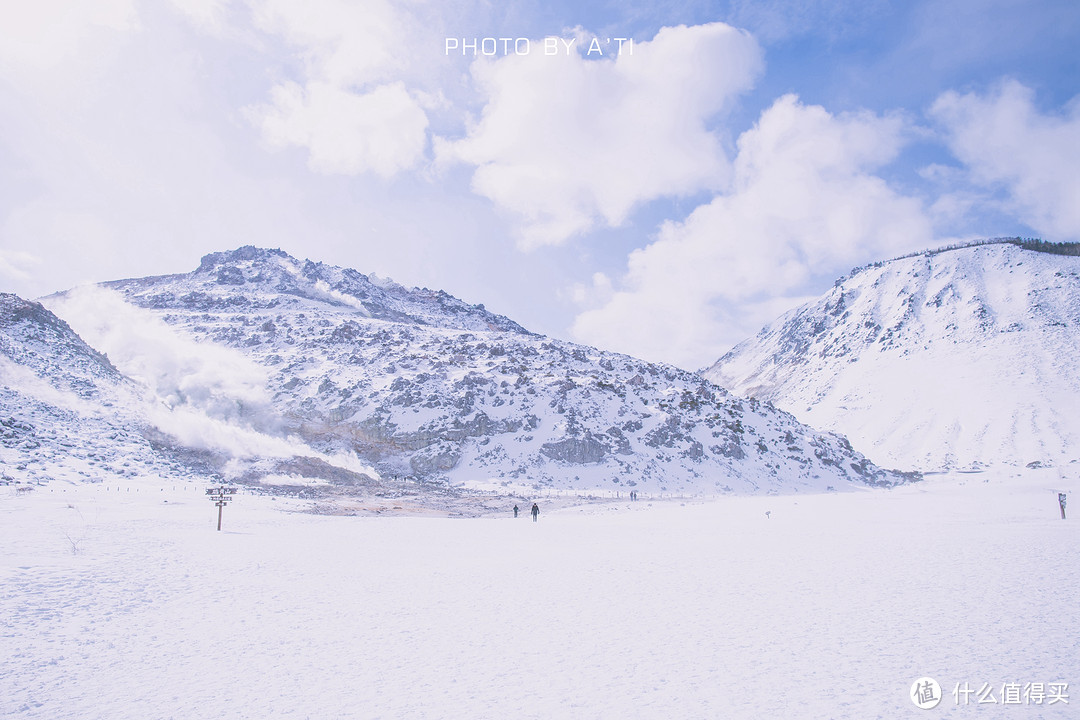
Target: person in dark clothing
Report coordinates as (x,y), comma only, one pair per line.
(535,511)
(515,510)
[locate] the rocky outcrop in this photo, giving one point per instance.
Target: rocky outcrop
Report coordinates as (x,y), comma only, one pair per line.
(576,450)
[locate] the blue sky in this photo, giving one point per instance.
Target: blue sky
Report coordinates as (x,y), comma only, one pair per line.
(665,204)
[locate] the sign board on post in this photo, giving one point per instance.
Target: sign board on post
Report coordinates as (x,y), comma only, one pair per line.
(220,496)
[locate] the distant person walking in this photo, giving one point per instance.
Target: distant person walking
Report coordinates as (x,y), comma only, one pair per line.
(1061,502)
(535,511)
(515,510)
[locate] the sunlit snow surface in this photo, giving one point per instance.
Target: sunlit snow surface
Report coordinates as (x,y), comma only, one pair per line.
(954,360)
(122,601)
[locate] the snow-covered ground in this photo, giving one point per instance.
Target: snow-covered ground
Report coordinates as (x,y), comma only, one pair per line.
(122,601)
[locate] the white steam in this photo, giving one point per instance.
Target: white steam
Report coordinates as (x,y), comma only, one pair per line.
(204,395)
(179,370)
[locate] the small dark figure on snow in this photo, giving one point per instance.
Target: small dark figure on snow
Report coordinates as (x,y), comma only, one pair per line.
(515,510)
(535,511)
(1061,502)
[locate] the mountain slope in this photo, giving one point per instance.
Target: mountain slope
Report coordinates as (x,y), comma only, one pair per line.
(421,385)
(954,359)
(276,278)
(65,411)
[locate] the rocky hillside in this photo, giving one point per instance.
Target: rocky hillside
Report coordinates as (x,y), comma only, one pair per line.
(956,359)
(65,411)
(420,384)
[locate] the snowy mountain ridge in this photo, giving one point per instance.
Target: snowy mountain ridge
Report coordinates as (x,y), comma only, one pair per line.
(956,359)
(272,273)
(414,383)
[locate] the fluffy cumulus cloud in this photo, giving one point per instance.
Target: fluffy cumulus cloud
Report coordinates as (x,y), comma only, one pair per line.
(567,141)
(351,111)
(804,205)
(345,132)
(1007,143)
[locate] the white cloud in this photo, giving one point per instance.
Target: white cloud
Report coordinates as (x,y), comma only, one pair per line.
(206,14)
(341,42)
(15,264)
(566,142)
(352,112)
(1006,142)
(346,133)
(803,206)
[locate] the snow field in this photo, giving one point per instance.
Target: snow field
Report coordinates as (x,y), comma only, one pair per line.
(830,607)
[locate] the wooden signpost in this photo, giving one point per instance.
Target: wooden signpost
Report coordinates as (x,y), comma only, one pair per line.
(220,496)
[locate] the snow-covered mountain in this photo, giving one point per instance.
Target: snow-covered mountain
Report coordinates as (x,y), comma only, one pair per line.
(65,411)
(420,384)
(959,358)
